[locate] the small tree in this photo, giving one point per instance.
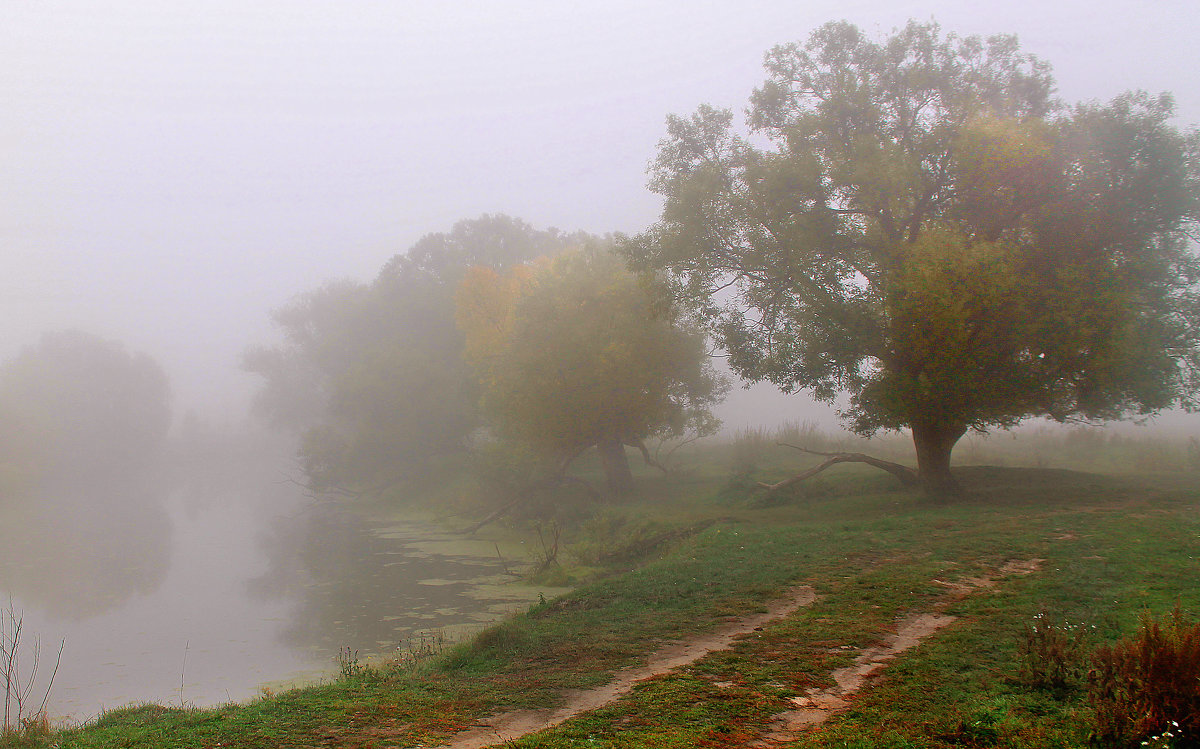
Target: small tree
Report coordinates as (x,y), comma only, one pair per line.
(574,353)
(918,224)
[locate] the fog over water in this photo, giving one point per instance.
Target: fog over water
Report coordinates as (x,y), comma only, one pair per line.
(171,173)
(205,591)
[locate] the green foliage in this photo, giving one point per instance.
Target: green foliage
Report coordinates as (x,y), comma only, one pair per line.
(371,375)
(575,352)
(1053,654)
(931,233)
(610,536)
(1149,684)
(349,666)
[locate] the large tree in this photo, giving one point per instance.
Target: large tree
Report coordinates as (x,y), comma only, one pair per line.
(576,352)
(371,376)
(918,223)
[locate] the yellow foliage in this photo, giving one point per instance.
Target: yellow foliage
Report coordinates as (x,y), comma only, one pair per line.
(570,351)
(1003,168)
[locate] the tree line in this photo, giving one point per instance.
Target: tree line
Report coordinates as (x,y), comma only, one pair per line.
(913,222)
(520,348)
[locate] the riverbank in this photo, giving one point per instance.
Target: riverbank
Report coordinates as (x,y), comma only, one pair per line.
(1092,550)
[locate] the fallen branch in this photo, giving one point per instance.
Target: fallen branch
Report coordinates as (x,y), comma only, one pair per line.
(495,515)
(646,456)
(906,475)
(549,555)
(522,495)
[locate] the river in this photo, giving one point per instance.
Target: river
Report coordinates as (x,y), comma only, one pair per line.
(202,596)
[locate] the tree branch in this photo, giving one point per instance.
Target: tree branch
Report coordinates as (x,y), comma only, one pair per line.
(650,461)
(499,513)
(906,475)
(522,494)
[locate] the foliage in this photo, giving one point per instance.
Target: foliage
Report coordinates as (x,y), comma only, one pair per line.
(1053,654)
(611,536)
(81,409)
(371,375)
(930,232)
(574,352)
(1149,684)
(349,666)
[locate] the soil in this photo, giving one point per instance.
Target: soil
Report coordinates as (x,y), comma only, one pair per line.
(818,705)
(508,726)
(811,709)
(821,704)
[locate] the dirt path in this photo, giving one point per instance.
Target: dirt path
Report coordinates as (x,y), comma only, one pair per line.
(821,704)
(818,705)
(512,725)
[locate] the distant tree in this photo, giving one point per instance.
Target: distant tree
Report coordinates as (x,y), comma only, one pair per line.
(371,375)
(80,408)
(576,352)
(917,223)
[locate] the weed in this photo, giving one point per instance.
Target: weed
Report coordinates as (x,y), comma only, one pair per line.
(349,666)
(1164,740)
(748,448)
(419,648)
(1147,687)
(32,731)
(18,686)
(978,730)
(609,537)
(547,558)
(1053,654)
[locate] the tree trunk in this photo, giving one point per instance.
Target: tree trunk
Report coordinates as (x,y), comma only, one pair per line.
(934,444)
(616,466)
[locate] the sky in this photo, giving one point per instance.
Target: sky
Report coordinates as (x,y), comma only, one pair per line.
(171,172)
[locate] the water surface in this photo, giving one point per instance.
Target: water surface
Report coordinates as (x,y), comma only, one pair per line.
(203,596)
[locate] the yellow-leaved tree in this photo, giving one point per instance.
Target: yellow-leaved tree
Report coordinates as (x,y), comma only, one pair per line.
(575,352)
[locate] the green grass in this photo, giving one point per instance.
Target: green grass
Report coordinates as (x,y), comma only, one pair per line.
(1114,547)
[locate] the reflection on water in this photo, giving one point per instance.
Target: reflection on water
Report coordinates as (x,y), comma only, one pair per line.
(371,588)
(76,553)
(173,597)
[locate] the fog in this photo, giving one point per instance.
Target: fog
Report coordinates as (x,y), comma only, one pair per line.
(171,174)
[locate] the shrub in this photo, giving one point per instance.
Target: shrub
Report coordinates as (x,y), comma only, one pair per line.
(1053,654)
(1148,685)
(610,536)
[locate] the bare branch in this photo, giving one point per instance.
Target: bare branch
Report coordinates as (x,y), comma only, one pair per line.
(906,475)
(646,456)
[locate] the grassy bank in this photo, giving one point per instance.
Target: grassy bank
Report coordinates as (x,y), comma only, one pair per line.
(1112,548)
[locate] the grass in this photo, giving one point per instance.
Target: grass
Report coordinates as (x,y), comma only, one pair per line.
(1113,547)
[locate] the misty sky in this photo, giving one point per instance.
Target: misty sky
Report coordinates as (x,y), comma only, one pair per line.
(170,172)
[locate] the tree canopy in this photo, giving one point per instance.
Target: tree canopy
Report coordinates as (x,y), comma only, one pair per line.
(918,223)
(371,376)
(575,352)
(80,409)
